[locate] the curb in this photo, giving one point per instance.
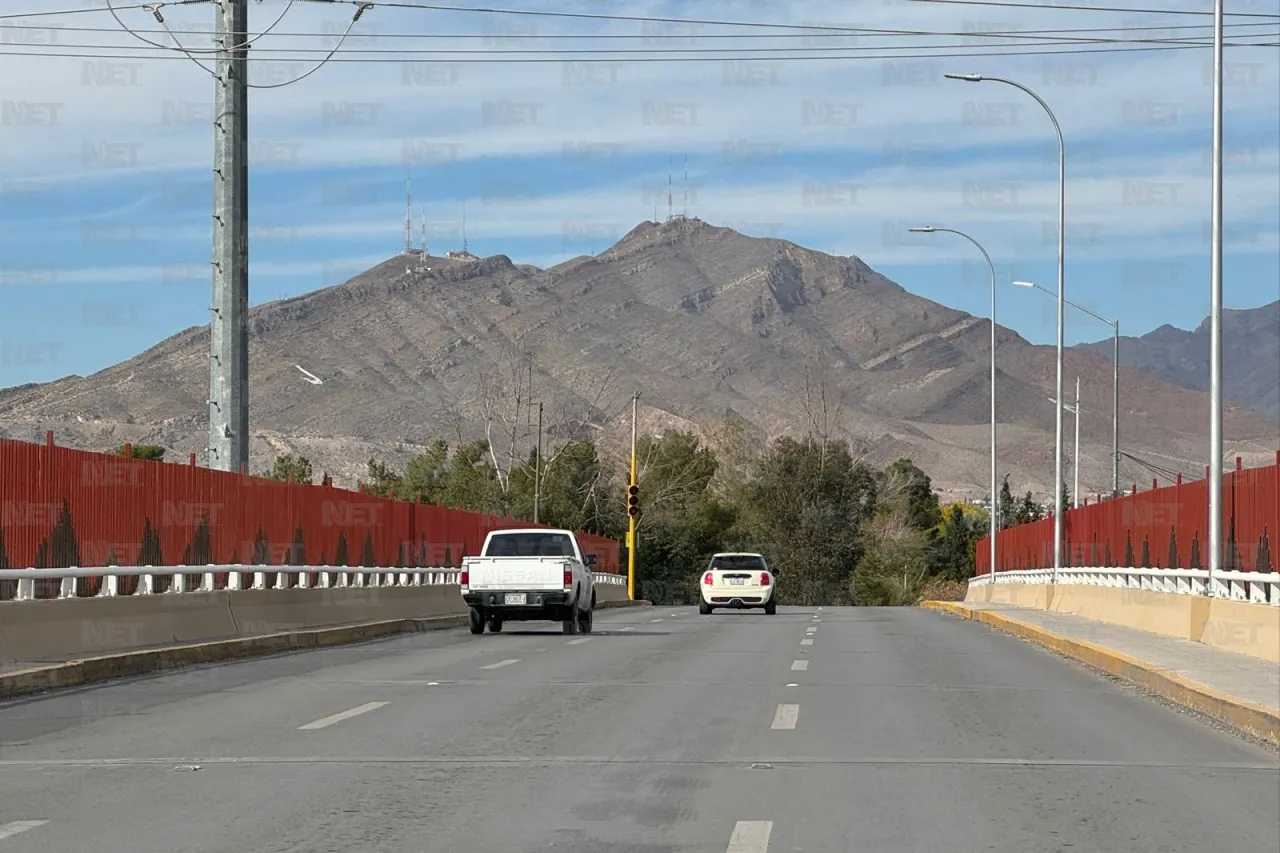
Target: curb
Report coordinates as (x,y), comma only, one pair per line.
(108,667)
(1238,713)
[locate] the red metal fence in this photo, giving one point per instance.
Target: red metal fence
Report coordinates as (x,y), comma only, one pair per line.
(1166,527)
(64,507)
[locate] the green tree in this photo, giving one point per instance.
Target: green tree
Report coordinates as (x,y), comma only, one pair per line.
(1008,506)
(383,482)
(150,452)
(292,466)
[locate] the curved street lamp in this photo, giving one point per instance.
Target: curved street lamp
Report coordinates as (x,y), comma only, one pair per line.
(995,494)
(1062,208)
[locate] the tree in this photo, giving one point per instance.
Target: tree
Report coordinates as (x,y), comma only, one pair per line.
(1008,506)
(150,452)
(295,467)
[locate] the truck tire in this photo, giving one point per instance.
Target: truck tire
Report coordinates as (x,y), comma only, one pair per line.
(570,623)
(476,620)
(585,618)
(495,624)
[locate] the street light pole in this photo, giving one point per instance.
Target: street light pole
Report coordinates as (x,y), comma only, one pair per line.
(1215,317)
(994,526)
(1075,493)
(631,519)
(1115,385)
(1062,215)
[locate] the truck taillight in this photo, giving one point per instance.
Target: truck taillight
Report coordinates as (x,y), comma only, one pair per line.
(465,578)
(568,578)
(706,579)
(764,579)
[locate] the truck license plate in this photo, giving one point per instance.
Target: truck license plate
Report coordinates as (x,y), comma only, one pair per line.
(516,598)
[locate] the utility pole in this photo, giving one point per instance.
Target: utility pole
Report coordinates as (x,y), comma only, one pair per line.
(1215,319)
(1075,494)
(537,469)
(228,329)
(631,519)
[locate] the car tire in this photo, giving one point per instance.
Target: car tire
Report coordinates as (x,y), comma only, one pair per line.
(771,608)
(476,620)
(704,608)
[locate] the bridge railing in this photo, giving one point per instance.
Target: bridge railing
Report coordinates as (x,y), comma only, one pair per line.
(1256,587)
(283,578)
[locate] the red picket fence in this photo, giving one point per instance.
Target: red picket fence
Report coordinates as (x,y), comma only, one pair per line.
(1166,527)
(63,507)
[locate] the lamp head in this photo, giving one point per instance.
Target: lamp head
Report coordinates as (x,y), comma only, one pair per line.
(968,78)
(927,229)
(1025,283)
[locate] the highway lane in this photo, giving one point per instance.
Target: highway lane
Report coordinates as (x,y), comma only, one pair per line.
(907,731)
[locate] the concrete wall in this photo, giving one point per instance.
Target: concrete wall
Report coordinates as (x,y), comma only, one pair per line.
(35,632)
(1237,626)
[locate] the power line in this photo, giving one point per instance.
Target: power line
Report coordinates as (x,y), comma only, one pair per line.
(1074,8)
(146,6)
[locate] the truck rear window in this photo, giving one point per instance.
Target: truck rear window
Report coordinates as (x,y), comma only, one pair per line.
(746,562)
(530,545)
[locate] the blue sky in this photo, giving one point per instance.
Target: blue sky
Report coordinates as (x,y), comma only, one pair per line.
(105,181)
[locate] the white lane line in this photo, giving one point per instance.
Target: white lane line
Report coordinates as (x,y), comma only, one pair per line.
(750,836)
(806,642)
(786,716)
(501,663)
(628,628)
(799,665)
(345,715)
(810,630)
(578,641)
(659,619)
(14,827)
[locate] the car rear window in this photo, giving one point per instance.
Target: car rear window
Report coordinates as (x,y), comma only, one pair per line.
(746,562)
(529,545)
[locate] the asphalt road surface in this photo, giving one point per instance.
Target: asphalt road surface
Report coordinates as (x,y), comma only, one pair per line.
(841,730)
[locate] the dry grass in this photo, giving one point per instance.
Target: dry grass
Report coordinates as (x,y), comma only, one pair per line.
(943,590)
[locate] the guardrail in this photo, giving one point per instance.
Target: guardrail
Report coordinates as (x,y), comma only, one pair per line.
(286,577)
(1256,587)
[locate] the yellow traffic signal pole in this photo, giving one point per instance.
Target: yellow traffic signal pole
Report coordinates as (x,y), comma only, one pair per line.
(631,516)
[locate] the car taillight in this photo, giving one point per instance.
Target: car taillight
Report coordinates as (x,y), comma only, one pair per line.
(764,579)
(466,578)
(706,579)
(568,578)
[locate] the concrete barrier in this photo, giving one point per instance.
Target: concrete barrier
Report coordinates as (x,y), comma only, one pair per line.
(58,643)
(1243,627)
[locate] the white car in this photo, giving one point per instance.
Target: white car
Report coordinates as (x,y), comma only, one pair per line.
(738,581)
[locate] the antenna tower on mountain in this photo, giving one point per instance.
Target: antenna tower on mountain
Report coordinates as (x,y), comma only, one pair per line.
(465,250)
(669,216)
(408,214)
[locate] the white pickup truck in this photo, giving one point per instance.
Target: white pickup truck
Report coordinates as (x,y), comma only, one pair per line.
(530,575)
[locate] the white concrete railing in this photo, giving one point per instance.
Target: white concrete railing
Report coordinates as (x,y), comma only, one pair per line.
(1256,587)
(287,577)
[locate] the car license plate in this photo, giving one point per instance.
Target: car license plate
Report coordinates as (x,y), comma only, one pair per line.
(737,581)
(516,598)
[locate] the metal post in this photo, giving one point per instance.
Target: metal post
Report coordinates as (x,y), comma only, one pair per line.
(537,469)
(994,526)
(631,519)
(1115,418)
(1062,244)
(228,329)
(1075,495)
(1215,317)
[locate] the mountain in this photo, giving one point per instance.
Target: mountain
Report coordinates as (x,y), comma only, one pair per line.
(1250,356)
(709,325)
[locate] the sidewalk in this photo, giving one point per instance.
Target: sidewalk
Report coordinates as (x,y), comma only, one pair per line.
(1236,689)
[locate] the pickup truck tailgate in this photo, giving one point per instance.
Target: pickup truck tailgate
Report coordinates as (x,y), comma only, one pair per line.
(517,573)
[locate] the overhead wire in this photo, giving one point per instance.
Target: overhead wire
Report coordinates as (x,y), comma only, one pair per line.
(1082,8)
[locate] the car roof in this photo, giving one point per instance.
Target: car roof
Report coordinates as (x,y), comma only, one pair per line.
(738,554)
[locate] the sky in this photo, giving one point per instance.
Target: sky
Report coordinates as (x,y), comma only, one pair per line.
(555,135)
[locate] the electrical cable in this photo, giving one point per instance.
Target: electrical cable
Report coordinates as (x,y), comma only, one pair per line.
(1076,8)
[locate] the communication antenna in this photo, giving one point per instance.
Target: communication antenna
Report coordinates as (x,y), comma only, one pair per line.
(464,227)
(408,213)
(685,215)
(669,217)
(424,234)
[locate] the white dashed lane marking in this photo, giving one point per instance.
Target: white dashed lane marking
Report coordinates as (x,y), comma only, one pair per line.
(15,827)
(806,642)
(578,641)
(750,836)
(786,717)
(501,663)
(799,665)
(345,715)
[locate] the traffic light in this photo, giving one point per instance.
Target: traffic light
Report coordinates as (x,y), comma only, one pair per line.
(633,500)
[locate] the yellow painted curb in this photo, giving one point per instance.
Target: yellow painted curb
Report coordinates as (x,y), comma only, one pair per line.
(107,667)
(1246,716)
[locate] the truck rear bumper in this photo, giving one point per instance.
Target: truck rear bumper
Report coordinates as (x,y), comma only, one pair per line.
(535,601)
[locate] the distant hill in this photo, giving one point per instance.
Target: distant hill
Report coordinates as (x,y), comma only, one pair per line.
(1250,356)
(708,324)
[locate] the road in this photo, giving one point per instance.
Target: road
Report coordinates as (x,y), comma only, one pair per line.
(890,731)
